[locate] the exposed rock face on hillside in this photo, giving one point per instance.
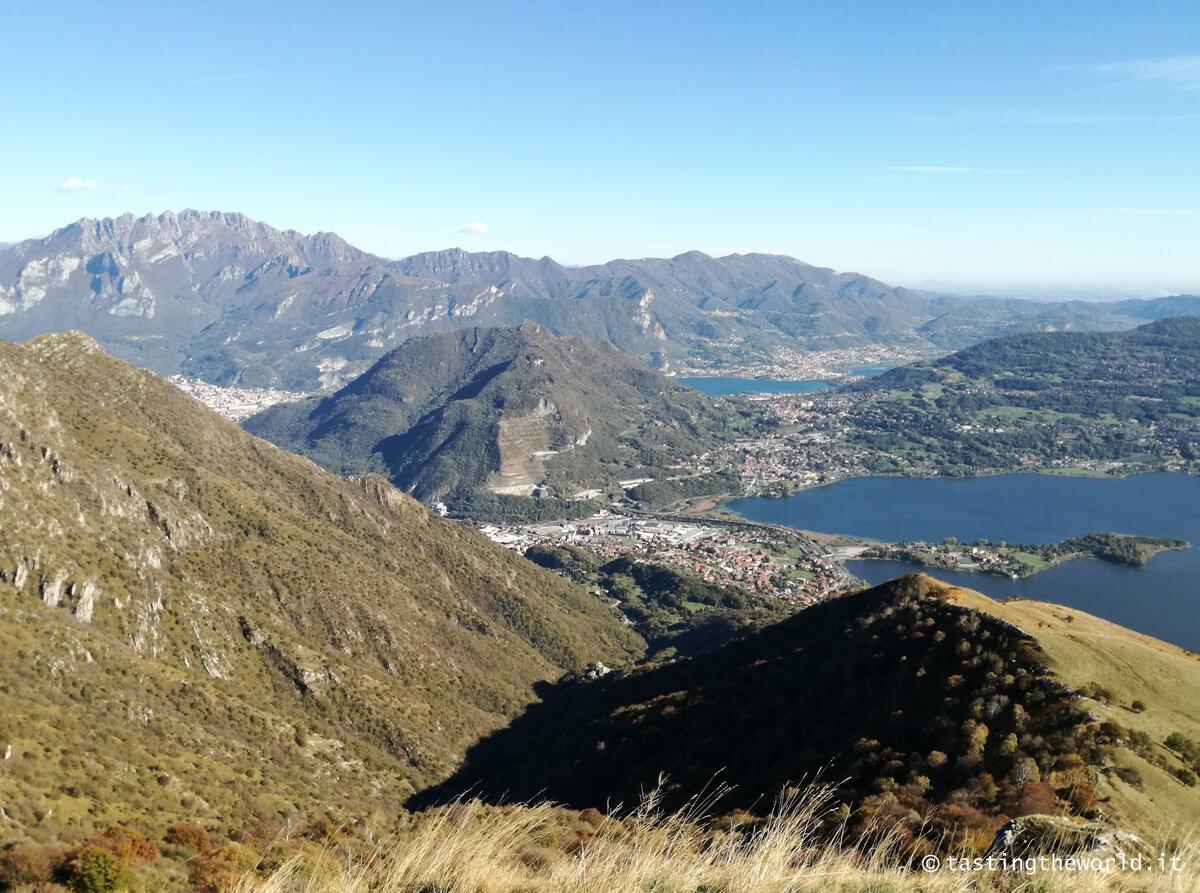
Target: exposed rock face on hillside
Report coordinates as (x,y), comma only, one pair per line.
(199,607)
(513,410)
(220,297)
(1044,835)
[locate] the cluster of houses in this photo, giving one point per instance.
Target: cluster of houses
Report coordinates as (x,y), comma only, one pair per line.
(236,403)
(716,553)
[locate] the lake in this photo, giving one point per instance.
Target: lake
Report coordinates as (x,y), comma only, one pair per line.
(723,386)
(1163,600)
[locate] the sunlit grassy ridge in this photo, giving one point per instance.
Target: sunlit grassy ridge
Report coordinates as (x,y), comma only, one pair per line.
(1145,686)
(197,625)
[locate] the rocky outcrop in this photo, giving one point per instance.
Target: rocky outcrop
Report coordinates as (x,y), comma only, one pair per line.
(52,588)
(1047,835)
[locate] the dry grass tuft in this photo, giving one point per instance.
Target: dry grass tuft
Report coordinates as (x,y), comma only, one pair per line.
(473,848)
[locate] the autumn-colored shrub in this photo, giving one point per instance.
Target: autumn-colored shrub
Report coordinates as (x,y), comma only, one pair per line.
(321,829)
(188,837)
(221,869)
(1034,798)
(126,844)
(1083,800)
(962,826)
(592,816)
(30,865)
(262,831)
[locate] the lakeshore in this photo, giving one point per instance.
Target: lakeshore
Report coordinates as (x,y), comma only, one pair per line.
(1018,561)
(1159,599)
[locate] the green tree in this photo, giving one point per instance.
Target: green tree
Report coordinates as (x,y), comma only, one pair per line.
(94,870)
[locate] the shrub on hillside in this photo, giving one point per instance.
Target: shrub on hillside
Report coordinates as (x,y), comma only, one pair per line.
(188,837)
(1034,798)
(126,844)
(223,867)
(30,865)
(1129,775)
(93,870)
(1186,776)
(1185,747)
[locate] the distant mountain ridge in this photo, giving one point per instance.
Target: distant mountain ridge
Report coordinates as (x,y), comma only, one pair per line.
(510,410)
(221,297)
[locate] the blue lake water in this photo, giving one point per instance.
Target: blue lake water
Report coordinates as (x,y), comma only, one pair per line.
(1163,600)
(723,386)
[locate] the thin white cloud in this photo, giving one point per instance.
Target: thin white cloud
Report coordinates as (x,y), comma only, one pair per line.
(81,184)
(950,169)
(221,78)
(1174,72)
(1007,117)
(476,228)
(75,184)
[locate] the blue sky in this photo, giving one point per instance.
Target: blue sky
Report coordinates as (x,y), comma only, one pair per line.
(1022,146)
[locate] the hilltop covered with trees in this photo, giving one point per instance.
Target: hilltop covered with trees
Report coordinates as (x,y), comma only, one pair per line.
(908,700)
(1055,399)
(484,418)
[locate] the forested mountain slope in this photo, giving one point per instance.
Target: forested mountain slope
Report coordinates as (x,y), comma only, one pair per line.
(508,411)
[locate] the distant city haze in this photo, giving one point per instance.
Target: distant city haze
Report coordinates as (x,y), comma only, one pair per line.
(1013,150)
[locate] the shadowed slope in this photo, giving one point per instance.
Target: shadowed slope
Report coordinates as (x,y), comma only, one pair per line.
(935,709)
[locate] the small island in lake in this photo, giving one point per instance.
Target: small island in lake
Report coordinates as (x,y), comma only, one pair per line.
(1023,559)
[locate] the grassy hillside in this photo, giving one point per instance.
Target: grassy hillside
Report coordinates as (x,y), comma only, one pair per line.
(540,848)
(198,625)
(1149,688)
(912,700)
(507,412)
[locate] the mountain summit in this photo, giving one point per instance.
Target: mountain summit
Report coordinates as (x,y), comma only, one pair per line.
(515,411)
